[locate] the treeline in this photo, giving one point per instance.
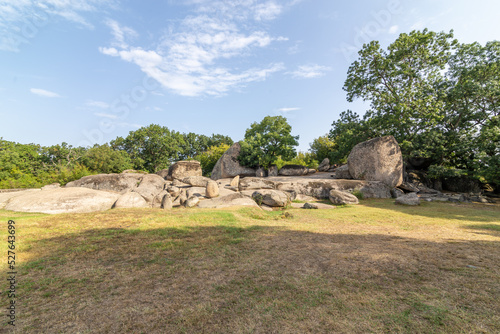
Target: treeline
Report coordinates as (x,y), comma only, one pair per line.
(148,149)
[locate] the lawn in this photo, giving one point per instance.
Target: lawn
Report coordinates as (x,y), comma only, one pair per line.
(371,268)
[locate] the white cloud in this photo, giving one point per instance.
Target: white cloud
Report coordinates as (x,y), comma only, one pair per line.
(21,20)
(97,104)
(202,54)
(43,92)
(394,29)
(120,33)
(285,110)
(310,71)
(111,116)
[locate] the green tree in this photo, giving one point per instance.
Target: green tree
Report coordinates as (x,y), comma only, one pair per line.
(322,147)
(103,159)
(266,141)
(209,158)
(151,148)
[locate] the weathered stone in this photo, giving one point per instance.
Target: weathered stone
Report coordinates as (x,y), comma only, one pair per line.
(180,184)
(182,169)
(192,201)
(212,189)
(260,172)
(235,182)
(324,166)
(408,199)
(272,171)
(379,159)
(130,200)
(342,198)
(235,199)
(229,166)
(311,171)
(5,197)
(52,186)
(173,191)
(396,192)
(150,187)
(182,198)
(62,200)
(293,170)
(409,187)
(163,173)
(113,182)
(166,202)
(196,181)
(195,191)
(342,173)
(310,206)
(272,198)
(249,183)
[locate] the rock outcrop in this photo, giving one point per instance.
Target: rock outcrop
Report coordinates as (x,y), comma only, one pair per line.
(409,199)
(130,200)
(229,166)
(293,170)
(342,172)
(338,197)
(379,159)
(324,166)
(272,198)
(182,169)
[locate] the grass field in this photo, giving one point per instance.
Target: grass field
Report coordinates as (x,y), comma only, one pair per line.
(371,268)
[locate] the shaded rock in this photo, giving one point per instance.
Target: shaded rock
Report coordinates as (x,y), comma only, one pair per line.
(150,187)
(182,169)
(212,189)
(272,171)
(164,174)
(62,200)
(293,170)
(166,202)
(196,191)
(408,199)
(192,201)
(338,197)
(182,198)
(235,199)
(378,159)
(196,181)
(408,187)
(310,206)
(461,184)
(249,183)
(342,172)
(235,182)
(260,172)
(324,166)
(180,184)
(229,166)
(396,192)
(311,171)
(130,200)
(272,198)
(174,191)
(113,182)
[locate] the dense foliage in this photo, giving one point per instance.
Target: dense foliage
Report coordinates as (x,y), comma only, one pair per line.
(440,99)
(267,141)
(209,158)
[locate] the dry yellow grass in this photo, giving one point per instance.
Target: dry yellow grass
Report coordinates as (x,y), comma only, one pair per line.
(376,267)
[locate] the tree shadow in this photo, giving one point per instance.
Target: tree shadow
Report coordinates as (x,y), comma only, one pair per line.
(255,279)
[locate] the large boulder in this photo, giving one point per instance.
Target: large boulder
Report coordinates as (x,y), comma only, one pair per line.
(196,181)
(235,199)
(63,200)
(338,197)
(130,200)
(324,166)
(293,170)
(272,198)
(229,166)
(379,159)
(249,183)
(212,189)
(182,169)
(342,172)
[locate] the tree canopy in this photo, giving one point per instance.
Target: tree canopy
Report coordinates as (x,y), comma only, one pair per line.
(267,141)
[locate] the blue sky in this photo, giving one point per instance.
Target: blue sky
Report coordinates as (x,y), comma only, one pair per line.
(87,71)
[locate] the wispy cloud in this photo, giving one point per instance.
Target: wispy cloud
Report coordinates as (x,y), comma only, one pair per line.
(43,92)
(202,55)
(120,33)
(97,104)
(20,20)
(310,71)
(285,110)
(111,116)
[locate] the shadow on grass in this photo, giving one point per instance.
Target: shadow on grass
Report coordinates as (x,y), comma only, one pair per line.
(490,229)
(443,210)
(256,279)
